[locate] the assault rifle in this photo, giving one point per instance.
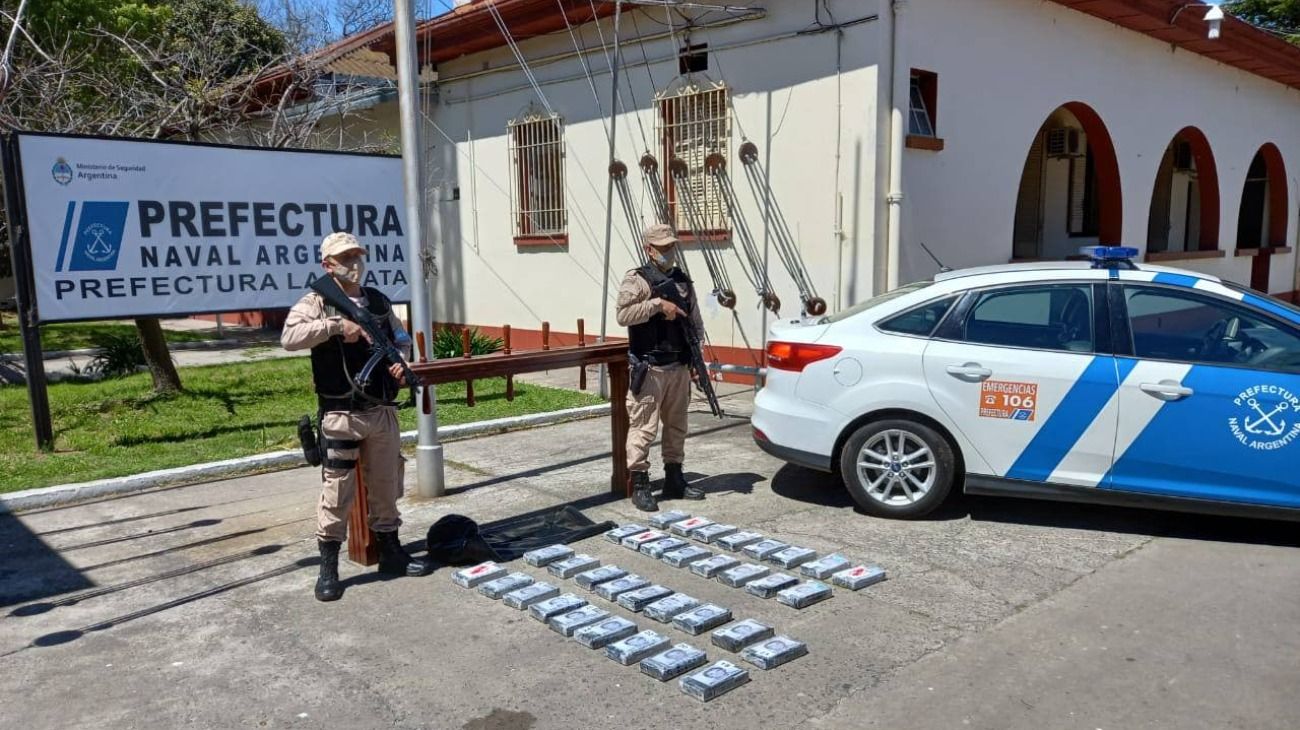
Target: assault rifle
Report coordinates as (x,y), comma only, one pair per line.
(665,288)
(382,346)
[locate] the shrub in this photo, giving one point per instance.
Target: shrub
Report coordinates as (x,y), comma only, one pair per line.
(119,354)
(447,343)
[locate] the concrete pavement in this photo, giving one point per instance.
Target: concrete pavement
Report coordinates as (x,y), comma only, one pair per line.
(191,607)
(59,368)
(233,343)
(1183,633)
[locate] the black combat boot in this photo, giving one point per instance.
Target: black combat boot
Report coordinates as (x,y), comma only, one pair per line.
(327,585)
(642,499)
(394,560)
(675,485)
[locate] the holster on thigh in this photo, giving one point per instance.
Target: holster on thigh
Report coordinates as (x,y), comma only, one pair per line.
(339,453)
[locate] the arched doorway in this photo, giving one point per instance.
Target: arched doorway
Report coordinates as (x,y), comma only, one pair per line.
(1069,193)
(1262,218)
(1184,212)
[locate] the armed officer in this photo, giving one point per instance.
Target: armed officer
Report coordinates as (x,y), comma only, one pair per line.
(658,345)
(355,423)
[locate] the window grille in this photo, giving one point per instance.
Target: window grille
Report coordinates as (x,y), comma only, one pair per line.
(695,122)
(537,185)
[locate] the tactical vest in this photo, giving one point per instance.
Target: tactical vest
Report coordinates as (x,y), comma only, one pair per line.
(659,340)
(335,363)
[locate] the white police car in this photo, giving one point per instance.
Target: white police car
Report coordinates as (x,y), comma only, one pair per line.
(1099,382)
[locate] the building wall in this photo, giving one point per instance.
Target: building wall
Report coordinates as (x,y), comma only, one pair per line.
(1179,215)
(785,94)
(1057,242)
(1005,65)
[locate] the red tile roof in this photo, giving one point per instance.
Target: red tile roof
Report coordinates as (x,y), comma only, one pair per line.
(471,28)
(1182,24)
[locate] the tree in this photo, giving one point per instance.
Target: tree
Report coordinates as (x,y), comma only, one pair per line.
(161,69)
(174,69)
(311,24)
(1279,16)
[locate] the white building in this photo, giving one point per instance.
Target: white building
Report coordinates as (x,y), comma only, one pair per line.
(1026,129)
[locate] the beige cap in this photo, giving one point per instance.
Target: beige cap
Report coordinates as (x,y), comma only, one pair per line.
(339,242)
(660,235)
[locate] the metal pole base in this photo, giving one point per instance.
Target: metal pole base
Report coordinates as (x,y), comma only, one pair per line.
(429,481)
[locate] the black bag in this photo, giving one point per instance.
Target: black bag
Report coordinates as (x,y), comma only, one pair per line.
(455,540)
(307,438)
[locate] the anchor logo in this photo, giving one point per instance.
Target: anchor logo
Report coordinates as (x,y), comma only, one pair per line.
(98,249)
(97,243)
(1265,425)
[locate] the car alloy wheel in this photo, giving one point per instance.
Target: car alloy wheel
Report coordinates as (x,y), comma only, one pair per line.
(896,468)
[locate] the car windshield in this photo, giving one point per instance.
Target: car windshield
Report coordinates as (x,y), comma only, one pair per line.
(874,302)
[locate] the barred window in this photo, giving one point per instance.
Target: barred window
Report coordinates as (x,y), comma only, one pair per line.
(695,122)
(537,185)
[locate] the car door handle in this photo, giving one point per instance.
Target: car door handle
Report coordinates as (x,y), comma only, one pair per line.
(1167,390)
(971,371)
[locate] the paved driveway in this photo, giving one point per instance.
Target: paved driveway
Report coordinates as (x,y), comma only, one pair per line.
(191,607)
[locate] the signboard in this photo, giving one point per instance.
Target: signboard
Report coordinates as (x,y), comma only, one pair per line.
(125,228)
(1005,399)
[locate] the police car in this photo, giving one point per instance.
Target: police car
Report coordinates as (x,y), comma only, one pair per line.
(1091,381)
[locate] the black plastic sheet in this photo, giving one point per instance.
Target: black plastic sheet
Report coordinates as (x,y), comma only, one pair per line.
(458,540)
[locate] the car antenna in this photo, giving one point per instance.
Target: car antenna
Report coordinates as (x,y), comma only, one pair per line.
(942,269)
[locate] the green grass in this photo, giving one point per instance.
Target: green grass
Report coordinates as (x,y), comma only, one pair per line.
(78,335)
(118,427)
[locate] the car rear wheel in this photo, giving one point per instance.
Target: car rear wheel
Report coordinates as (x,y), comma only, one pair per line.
(897,468)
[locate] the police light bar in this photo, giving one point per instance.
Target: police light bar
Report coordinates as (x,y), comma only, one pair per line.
(1108,256)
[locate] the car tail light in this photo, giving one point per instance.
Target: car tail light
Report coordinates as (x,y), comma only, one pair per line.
(760,436)
(795,356)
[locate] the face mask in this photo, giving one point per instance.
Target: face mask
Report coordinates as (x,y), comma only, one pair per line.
(665,261)
(351,274)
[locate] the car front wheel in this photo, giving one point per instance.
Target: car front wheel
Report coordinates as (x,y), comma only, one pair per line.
(897,468)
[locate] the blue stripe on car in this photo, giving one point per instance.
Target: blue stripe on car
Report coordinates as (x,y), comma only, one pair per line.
(1176,280)
(1201,447)
(1272,308)
(1067,424)
(1254,300)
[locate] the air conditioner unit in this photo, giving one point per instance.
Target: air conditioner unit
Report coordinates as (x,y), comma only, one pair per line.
(1064,142)
(1183,160)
